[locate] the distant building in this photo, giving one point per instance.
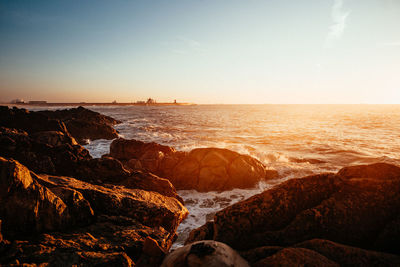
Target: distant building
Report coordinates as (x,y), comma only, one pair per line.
(17,101)
(37,102)
(151,101)
(114,102)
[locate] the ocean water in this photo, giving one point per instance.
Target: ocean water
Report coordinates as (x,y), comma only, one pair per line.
(296,140)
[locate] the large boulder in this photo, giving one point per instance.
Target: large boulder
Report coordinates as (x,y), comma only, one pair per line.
(61,220)
(359,212)
(85,124)
(318,252)
(374,171)
(44,152)
(204,253)
(203,169)
(147,207)
(27,207)
(30,122)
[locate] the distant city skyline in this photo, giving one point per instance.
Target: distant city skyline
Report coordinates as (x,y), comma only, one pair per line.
(206,52)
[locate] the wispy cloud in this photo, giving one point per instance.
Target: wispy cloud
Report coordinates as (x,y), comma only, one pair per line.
(339,17)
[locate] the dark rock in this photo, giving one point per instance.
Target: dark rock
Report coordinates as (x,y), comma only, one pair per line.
(152,254)
(359,212)
(79,122)
(204,253)
(374,171)
(203,169)
(150,182)
(350,256)
(52,153)
(84,124)
(30,122)
(296,257)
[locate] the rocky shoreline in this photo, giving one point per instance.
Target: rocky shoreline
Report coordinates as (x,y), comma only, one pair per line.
(61,207)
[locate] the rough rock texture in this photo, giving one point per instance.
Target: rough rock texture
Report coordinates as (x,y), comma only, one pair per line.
(149,208)
(318,252)
(358,212)
(204,253)
(382,171)
(85,124)
(30,122)
(150,182)
(65,221)
(203,169)
(79,122)
(45,152)
(27,207)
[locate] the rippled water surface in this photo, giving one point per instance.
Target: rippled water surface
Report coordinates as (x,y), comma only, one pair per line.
(296,140)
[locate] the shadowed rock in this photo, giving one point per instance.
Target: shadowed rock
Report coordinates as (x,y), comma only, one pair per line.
(84,124)
(81,123)
(359,212)
(374,171)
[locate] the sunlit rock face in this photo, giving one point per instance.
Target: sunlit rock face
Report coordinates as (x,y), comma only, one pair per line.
(203,169)
(47,218)
(359,212)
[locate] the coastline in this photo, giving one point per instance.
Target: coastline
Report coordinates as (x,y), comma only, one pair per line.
(299,221)
(83,104)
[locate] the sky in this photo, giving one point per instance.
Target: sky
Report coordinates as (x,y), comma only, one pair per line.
(201,51)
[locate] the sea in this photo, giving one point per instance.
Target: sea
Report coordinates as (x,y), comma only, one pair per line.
(295,140)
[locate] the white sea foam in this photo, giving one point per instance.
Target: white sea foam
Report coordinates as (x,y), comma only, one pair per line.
(295,140)
(202,206)
(98,148)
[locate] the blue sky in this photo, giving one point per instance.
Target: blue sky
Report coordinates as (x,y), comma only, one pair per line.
(276,51)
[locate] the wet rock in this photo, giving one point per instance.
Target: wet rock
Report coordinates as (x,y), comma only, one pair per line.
(359,212)
(204,253)
(203,169)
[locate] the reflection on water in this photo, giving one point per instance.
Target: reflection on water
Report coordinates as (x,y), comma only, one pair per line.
(296,140)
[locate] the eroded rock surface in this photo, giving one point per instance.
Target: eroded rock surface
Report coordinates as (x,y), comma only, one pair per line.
(358,212)
(62,220)
(203,169)
(81,123)
(84,124)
